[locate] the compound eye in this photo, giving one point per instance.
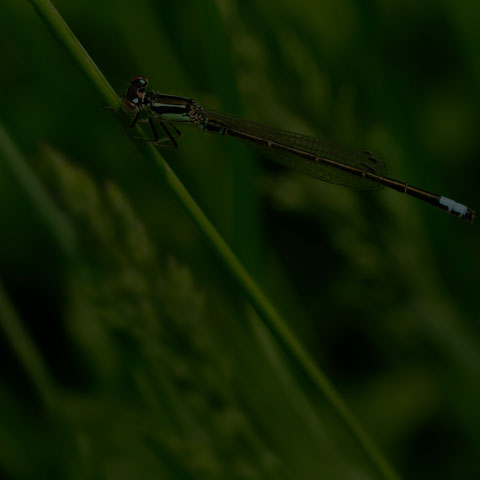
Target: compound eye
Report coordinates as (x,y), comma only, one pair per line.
(139,81)
(130,106)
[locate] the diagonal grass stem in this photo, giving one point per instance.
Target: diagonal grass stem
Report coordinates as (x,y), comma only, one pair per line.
(254,294)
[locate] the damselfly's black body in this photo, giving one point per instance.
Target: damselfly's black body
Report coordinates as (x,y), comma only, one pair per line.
(327,162)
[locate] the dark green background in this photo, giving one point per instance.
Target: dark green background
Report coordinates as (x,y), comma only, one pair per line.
(156,365)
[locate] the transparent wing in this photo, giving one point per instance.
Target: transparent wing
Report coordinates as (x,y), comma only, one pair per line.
(362,160)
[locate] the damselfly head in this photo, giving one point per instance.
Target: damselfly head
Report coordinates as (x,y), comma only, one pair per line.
(133,97)
(132,100)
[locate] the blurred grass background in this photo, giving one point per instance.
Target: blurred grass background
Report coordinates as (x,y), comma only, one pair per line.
(141,359)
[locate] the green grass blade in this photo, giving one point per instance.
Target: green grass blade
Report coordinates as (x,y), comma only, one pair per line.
(263,307)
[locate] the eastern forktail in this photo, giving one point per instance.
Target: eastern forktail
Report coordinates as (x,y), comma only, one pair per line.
(313,157)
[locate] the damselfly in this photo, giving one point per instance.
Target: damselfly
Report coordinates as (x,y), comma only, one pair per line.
(327,162)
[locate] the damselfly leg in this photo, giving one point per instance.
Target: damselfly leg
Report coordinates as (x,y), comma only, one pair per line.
(156,140)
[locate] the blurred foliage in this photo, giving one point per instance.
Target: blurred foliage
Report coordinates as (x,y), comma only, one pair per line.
(138,357)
